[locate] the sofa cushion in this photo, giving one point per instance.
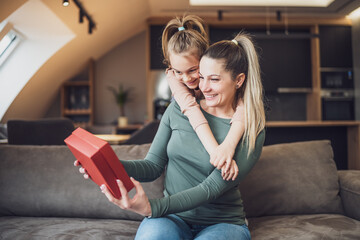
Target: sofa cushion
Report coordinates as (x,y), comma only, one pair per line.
(37,228)
(293,178)
(350,192)
(304,227)
(54,187)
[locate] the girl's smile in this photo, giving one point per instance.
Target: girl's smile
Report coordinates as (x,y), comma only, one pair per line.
(186,68)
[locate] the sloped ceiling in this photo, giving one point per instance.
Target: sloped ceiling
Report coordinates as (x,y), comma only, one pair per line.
(117,21)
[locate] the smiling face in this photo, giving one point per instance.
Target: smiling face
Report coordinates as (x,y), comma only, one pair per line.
(186,68)
(217,85)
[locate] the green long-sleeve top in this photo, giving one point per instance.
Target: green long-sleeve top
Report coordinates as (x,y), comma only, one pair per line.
(194,190)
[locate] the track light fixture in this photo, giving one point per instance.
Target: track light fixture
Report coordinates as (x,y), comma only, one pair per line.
(278,15)
(66,3)
(91,26)
(82,14)
(220,15)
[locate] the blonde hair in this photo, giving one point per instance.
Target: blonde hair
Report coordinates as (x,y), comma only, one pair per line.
(192,38)
(242,58)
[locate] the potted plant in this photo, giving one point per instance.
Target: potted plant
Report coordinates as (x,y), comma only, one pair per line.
(122,97)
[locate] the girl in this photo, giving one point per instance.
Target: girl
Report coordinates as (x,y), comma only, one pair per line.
(183,42)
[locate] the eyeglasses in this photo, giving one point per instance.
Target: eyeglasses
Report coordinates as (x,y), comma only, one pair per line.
(194,72)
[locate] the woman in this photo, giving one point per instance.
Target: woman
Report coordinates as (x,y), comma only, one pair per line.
(198,202)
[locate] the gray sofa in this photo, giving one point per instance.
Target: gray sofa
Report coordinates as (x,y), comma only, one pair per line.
(294,192)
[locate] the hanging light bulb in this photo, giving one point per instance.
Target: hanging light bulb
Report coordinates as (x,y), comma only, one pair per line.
(91,26)
(81,16)
(66,3)
(268,21)
(286,22)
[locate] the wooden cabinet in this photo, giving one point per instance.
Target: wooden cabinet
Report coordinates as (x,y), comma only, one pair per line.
(286,67)
(77,97)
(285,59)
(290,64)
(335,46)
(156,56)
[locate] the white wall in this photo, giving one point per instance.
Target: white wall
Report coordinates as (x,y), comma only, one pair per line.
(124,64)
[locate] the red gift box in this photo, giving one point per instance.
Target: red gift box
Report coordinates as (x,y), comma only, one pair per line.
(99,160)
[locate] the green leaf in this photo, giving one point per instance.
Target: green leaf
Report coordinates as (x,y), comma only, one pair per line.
(121,95)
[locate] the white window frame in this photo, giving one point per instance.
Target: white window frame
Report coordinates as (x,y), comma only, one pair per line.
(5,31)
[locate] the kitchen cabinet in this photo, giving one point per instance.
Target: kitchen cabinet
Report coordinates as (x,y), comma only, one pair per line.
(156,55)
(291,65)
(335,46)
(285,60)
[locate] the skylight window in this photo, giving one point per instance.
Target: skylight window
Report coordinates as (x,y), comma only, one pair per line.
(8,43)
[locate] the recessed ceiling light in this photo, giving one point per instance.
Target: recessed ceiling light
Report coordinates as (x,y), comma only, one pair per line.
(275,3)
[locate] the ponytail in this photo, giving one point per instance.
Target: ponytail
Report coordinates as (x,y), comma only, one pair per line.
(253,93)
(240,57)
(184,34)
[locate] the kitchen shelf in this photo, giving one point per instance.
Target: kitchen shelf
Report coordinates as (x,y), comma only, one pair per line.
(77,111)
(77,97)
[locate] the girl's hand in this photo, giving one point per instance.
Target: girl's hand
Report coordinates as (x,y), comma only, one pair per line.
(222,156)
(81,170)
(168,70)
(139,203)
(171,78)
(170,73)
(232,173)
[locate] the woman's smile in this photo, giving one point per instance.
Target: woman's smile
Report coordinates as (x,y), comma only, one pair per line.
(217,85)
(210,96)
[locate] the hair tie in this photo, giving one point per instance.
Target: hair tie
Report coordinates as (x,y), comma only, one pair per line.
(235,41)
(181,29)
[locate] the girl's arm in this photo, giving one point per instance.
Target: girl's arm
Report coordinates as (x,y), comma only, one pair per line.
(219,154)
(191,109)
(225,151)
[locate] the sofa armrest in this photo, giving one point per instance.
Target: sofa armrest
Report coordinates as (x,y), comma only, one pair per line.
(350,192)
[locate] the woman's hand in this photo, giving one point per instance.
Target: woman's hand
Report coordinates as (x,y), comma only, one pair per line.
(81,170)
(232,173)
(139,203)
